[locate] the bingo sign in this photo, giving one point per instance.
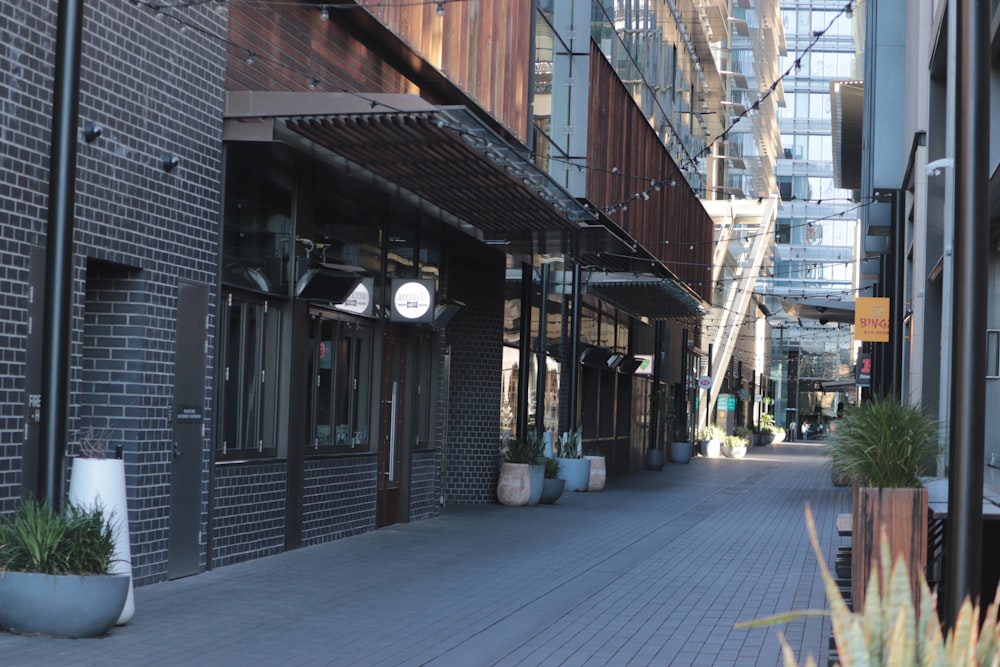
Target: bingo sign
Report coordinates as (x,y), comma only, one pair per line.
(412,301)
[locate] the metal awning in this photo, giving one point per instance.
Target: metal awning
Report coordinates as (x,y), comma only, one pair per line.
(824,310)
(445,156)
(645,295)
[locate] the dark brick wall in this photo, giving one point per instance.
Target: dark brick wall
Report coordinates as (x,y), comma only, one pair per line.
(249,512)
(425,485)
(338,498)
(475,335)
(152,89)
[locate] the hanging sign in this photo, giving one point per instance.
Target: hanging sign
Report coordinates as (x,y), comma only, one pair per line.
(360,300)
(863,370)
(871,319)
(412,300)
(705,382)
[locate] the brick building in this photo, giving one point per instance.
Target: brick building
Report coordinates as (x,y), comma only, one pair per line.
(369,263)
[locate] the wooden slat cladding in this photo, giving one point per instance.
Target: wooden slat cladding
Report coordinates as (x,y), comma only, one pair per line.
(481,48)
(903,515)
(672,224)
(293,45)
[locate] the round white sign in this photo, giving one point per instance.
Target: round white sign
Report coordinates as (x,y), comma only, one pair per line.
(358,301)
(412,300)
(705,382)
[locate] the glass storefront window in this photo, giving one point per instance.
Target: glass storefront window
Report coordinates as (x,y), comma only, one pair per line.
(339,403)
(249,347)
(257,222)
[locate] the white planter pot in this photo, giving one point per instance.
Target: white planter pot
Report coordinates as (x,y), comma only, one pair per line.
(101,482)
(712,448)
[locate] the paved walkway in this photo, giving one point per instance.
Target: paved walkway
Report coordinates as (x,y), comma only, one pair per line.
(655,570)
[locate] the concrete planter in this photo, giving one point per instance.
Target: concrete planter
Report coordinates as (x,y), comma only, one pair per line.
(66,605)
(680,452)
(576,473)
(552,489)
(711,448)
(514,485)
(654,459)
(101,483)
(598,473)
(536,482)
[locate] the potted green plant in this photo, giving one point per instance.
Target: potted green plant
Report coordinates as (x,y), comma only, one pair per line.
(901,626)
(518,483)
(884,446)
(768,429)
(710,438)
(552,486)
(734,446)
(55,571)
(681,447)
(574,468)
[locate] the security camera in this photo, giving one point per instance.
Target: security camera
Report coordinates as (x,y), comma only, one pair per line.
(934,168)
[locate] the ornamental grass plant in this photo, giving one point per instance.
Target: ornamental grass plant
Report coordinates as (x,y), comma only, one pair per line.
(35,538)
(892,629)
(885,443)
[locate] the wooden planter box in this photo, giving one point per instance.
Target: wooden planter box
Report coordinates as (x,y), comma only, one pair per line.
(903,512)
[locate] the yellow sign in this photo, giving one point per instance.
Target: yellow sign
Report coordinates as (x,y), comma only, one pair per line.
(871,319)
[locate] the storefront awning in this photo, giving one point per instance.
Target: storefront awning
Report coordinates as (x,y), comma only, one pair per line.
(444,155)
(646,295)
(824,310)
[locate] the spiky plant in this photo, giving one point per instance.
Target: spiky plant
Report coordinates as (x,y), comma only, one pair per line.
(885,443)
(892,629)
(35,538)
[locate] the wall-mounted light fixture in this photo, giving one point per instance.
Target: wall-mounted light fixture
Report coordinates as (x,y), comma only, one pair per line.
(934,168)
(91,131)
(169,162)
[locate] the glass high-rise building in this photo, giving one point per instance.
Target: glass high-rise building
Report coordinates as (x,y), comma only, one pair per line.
(812,284)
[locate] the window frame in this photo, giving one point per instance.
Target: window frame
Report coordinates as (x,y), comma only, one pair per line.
(358,377)
(253,411)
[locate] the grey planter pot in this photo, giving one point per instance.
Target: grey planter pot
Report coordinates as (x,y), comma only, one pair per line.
(551,490)
(536,474)
(61,605)
(654,459)
(576,473)
(680,452)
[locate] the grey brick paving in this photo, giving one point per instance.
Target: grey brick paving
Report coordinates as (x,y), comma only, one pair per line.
(655,570)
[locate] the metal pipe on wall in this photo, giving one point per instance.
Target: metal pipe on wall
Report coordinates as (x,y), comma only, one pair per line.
(58,308)
(968,350)
(524,350)
(574,349)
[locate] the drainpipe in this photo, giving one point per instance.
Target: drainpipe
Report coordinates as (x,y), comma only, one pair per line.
(574,350)
(543,317)
(58,309)
(654,399)
(524,351)
(968,349)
